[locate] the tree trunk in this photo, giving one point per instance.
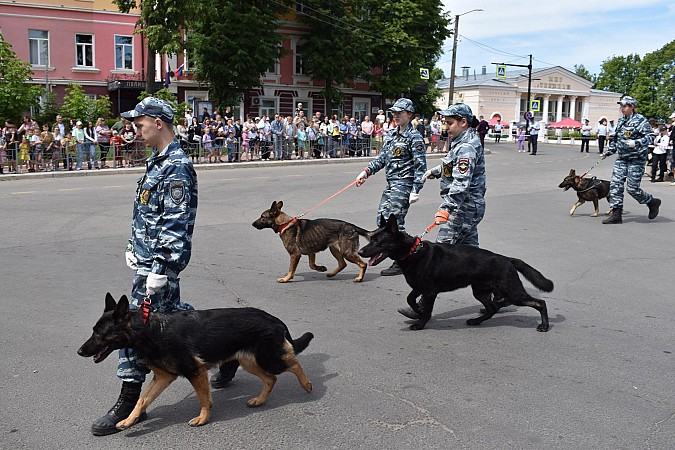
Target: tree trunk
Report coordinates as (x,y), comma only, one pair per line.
(150,73)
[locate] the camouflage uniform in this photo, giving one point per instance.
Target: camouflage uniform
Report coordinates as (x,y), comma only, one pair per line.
(161,238)
(630,163)
(404,157)
(462,174)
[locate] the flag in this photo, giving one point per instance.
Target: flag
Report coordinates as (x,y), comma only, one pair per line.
(167,76)
(179,71)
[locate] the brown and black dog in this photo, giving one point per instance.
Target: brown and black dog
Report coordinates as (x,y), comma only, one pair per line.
(308,237)
(588,190)
(188,343)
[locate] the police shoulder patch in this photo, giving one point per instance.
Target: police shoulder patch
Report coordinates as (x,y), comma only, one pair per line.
(463,165)
(177,191)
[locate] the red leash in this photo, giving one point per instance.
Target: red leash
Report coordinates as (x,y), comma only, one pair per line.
(418,240)
(294,219)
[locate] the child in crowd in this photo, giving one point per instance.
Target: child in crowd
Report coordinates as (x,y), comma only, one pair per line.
(207,144)
(24,152)
(521,140)
(302,141)
(116,142)
(68,144)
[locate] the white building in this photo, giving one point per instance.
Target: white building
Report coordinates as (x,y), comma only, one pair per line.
(560,94)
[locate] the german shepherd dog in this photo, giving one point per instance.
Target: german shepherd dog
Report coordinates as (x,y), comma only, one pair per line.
(308,237)
(188,343)
(588,190)
(431,268)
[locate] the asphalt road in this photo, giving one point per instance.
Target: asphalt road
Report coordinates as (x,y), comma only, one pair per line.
(601,378)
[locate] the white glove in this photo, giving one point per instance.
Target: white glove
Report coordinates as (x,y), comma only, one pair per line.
(630,143)
(154,283)
(132,261)
(413,198)
(428,175)
(361,178)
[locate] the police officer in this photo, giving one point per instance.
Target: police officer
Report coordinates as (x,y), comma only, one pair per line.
(631,140)
(462,174)
(403,156)
(161,239)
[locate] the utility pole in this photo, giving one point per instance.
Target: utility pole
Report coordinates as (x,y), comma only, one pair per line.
(451,91)
(529,87)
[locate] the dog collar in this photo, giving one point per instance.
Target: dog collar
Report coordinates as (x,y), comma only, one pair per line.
(287,224)
(414,248)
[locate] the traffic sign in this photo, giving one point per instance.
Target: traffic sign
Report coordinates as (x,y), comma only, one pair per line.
(501,71)
(424,73)
(535,105)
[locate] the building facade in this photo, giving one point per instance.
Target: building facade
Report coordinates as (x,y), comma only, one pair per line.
(91,43)
(558,92)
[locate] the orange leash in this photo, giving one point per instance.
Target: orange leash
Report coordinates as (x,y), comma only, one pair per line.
(321,203)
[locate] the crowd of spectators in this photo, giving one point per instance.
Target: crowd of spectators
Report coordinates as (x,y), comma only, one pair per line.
(206,138)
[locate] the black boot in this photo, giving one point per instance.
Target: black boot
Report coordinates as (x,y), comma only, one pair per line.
(125,404)
(653,204)
(224,375)
(615,216)
(395,269)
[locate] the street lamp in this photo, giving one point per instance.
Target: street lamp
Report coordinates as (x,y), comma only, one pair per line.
(451,92)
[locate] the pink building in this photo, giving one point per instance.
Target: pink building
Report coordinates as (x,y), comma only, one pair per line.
(91,43)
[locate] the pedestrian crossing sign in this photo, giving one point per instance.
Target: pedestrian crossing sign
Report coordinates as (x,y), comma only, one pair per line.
(424,73)
(501,71)
(535,105)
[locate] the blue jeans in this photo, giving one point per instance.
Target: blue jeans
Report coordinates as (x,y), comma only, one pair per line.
(80,155)
(278,146)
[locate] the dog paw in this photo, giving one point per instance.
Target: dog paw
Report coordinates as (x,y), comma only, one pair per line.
(321,268)
(198,421)
(474,322)
(543,328)
(283,280)
(255,401)
(417,326)
(594,215)
(358,279)
(124,424)
(307,387)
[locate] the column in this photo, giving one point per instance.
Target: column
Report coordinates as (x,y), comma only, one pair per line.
(547,97)
(573,106)
(516,110)
(558,113)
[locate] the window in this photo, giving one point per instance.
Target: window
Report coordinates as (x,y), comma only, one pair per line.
(360,108)
(84,50)
(268,108)
(124,54)
(300,58)
(39,47)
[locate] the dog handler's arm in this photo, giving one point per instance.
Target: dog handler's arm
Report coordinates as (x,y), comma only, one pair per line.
(420,163)
(462,174)
(176,224)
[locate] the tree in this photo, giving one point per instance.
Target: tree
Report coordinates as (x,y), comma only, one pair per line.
(233,45)
(163,22)
(17,95)
(76,105)
(584,73)
(413,40)
(653,87)
(618,73)
(337,48)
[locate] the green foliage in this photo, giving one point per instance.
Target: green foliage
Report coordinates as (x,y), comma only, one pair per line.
(48,109)
(76,105)
(16,94)
(650,80)
(425,105)
(584,73)
(233,45)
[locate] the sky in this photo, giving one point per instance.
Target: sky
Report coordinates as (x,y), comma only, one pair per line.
(561,33)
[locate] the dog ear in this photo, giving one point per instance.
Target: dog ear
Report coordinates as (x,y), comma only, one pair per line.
(122,308)
(392,224)
(383,222)
(280,205)
(274,205)
(109,303)
(572,173)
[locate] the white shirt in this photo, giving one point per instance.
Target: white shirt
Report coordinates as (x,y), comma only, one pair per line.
(602,130)
(661,144)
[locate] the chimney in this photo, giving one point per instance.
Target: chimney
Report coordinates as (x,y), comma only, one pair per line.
(483,70)
(465,72)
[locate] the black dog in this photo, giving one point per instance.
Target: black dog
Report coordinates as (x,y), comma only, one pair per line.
(588,190)
(188,343)
(431,268)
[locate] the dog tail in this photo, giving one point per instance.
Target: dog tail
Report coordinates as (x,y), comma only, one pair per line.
(301,343)
(532,275)
(361,232)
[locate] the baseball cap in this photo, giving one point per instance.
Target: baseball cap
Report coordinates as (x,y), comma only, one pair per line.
(627,100)
(402,104)
(152,107)
(458,110)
